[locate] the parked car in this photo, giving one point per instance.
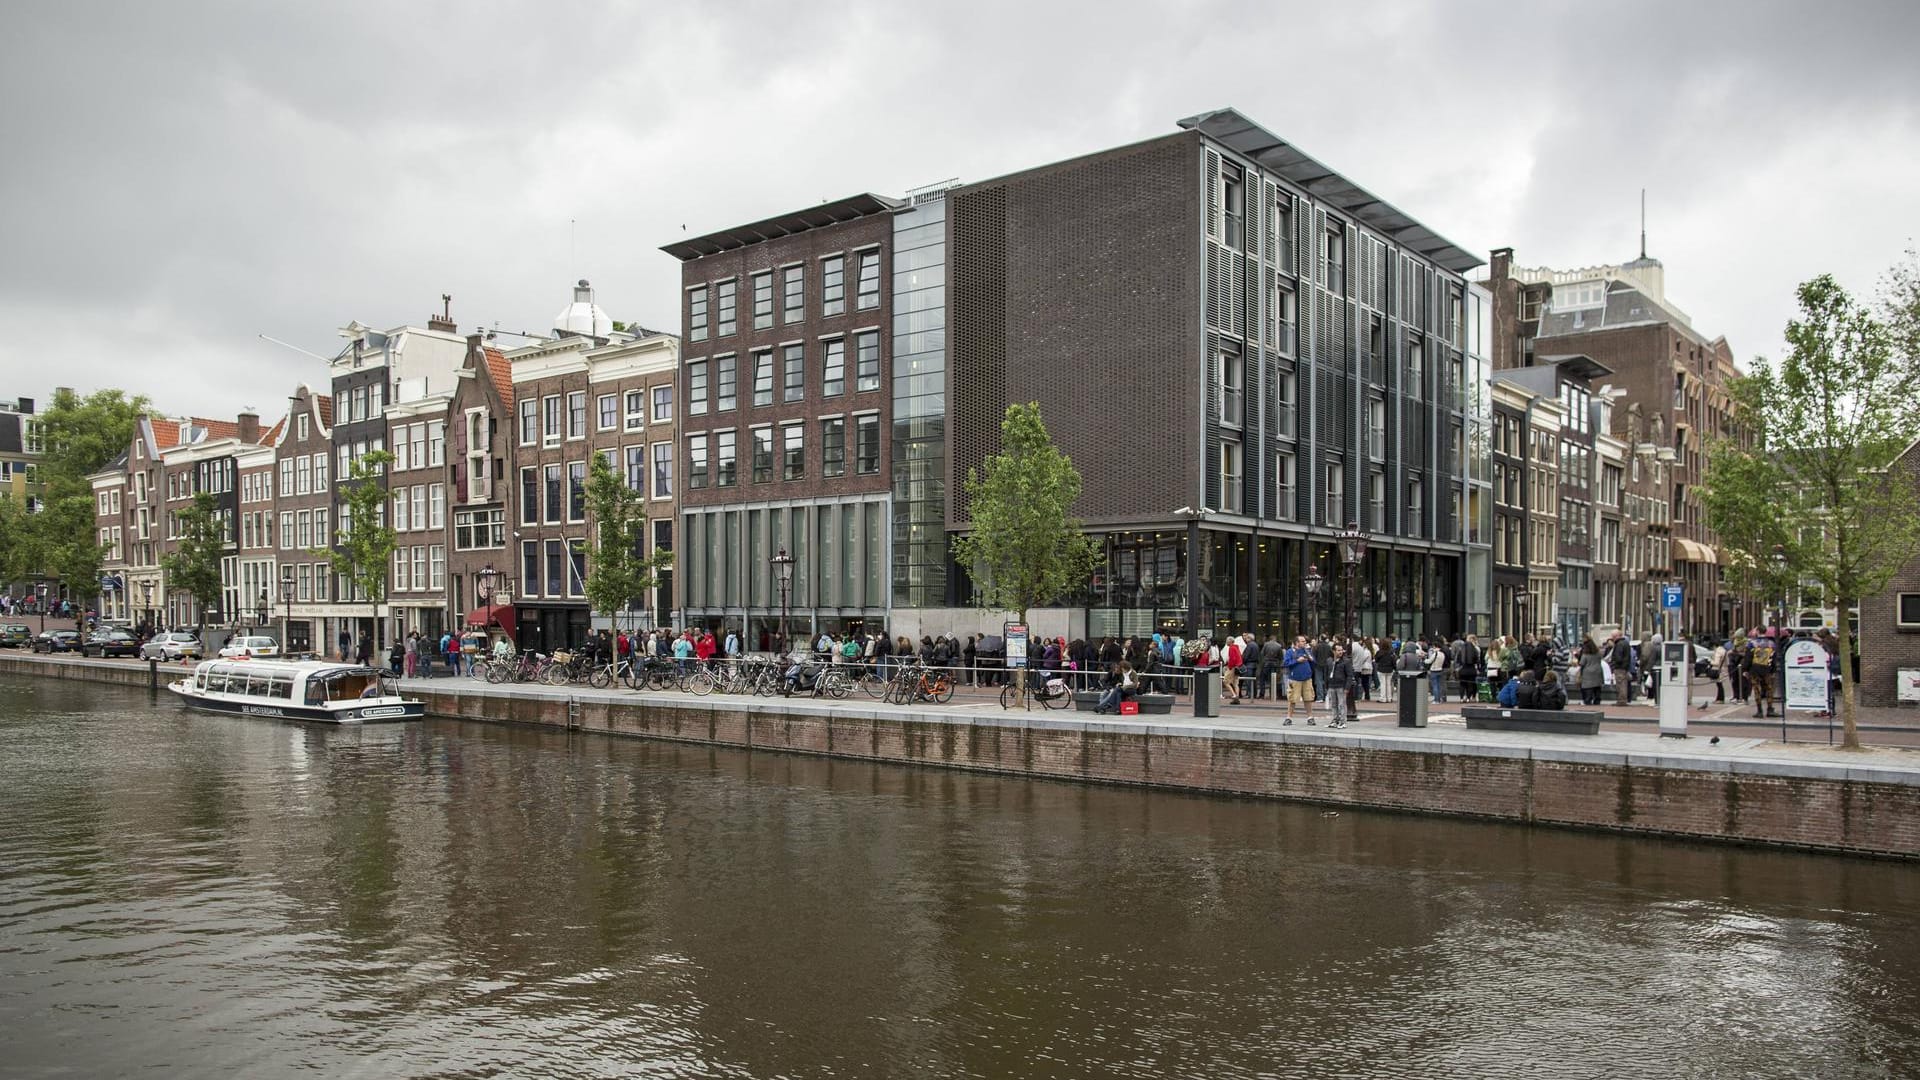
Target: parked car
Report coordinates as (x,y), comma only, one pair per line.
(173,645)
(111,643)
(54,641)
(16,636)
(250,646)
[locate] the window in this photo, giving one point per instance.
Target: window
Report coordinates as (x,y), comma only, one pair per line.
(1286,314)
(662,470)
(1416,506)
(1230,475)
(436,443)
(696,387)
(553,505)
(697,313)
(530,567)
(1233,206)
(1377,501)
(417,439)
(1336,476)
(475,530)
(550,418)
(436,567)
(321,537)
(793,463)
(1283,221)
(833,377)
(286,531)
(833,446)
(867,285)
(1233,376)
(300,426)
(726,301)
(696,462)
(305,588)
(726,383)
(1416,368)
(833,285)
(866,360)
(794,378)
(556,584)
(1376,429)
(529,496)
(762,378)
(305,530)
(1284,391)
(793,293)
(762,454)
(866,444)
(1283,487)
(577,414)
(1336,279)
(377,400)
(302,475)
(637,468)
(607,410)
(529,422)
(436,506)
(419,494)
(763,300)
(726,466)
(1910,609)
(662,404)
(576,490)
(576,568)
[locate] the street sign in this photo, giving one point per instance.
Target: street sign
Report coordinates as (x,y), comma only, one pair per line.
(1804,671)
(1016,645)
(1670,596)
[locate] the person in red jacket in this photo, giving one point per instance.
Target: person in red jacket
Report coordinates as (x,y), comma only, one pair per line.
(1230,671)
(703,647)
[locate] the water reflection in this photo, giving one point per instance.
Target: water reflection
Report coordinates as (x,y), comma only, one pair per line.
(215,894)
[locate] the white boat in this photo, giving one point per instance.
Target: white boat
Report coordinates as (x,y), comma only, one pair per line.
(294,690)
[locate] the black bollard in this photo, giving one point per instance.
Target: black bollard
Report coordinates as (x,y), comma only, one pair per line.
(153,673)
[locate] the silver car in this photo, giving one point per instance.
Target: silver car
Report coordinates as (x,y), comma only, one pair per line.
(174,645)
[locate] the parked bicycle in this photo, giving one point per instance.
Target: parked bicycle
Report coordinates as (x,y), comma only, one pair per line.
(1052,691)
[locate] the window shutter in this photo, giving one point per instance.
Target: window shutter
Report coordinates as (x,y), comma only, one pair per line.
(1210,175)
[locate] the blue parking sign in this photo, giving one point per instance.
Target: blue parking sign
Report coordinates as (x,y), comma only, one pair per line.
(1670,596)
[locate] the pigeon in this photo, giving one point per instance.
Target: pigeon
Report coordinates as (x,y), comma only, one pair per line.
(1715,741)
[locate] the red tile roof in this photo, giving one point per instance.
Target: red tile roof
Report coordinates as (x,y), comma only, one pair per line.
(326,409)
(273,433)
(166,434)
(501,371)
(219,429)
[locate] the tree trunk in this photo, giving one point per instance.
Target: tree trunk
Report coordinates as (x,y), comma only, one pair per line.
(1849,722)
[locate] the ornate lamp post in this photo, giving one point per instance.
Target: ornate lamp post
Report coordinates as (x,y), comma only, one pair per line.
(146,604)
(40,601)
(1314,585)
(1353,548)
(286,605)
(783,573)
(1520,596)
(486,578)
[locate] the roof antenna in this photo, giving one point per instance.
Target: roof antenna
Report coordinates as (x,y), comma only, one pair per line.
(1643,223)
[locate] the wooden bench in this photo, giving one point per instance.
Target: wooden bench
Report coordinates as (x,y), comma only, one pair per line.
(1150,704)
(1555,721)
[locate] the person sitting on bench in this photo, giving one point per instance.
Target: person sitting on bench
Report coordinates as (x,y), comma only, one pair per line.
(1553,696)
(1526,690)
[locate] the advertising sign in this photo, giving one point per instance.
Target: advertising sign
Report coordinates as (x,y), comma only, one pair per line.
(1016,646)
(1804,671)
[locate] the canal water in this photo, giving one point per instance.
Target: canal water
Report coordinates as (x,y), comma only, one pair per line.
(198,895)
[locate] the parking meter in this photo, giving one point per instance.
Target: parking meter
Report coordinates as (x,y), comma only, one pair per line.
(1676,671)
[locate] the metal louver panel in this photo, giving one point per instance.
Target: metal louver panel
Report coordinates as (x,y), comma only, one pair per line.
(1210,176)
(1237,286)
(1212,463)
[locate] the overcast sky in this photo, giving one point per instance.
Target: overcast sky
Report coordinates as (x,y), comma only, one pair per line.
(177,178)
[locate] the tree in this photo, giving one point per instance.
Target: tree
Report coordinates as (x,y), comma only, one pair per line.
(364,551)
(1816,479)
(83,435)
(79,436)
(193,567)
(617,571)
(1025,548)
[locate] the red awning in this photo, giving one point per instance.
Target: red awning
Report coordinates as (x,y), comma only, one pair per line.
(499,614)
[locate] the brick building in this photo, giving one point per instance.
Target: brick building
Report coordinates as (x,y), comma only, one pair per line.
(787,395)
(480,452)
(304,520)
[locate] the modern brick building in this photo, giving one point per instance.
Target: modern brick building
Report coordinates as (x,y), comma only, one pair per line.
(787,399)
(1285,353)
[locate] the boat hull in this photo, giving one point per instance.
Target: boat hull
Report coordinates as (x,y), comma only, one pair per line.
(378,711)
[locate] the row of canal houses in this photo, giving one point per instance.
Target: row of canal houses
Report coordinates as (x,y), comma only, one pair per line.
(490,454)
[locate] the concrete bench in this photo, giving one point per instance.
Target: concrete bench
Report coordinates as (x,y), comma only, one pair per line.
(1150,704)
(1556,721)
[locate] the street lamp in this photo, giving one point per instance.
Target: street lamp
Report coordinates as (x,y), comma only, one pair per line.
(286,605)
(146,603)
(783,573)
(1314,585)
(1520,596)
(1353,548)
(486,578)
(40,601)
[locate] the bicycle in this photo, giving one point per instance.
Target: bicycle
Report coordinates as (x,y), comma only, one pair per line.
(1051,693)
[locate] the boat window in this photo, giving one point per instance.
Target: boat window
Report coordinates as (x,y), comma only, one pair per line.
(216,682)
(282,686)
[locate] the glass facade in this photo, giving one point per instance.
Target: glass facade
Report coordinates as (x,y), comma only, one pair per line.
(920,403)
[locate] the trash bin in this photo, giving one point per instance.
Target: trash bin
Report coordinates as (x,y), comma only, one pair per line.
(1413,701)
(1206,693)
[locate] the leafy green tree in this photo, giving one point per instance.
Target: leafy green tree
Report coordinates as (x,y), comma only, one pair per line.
(193,567)
(82,435)
(1816,480)
(363,553)
(1025,549)
(617,571)
(79,436)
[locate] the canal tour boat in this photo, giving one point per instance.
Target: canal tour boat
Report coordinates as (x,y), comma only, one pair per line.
(294,690)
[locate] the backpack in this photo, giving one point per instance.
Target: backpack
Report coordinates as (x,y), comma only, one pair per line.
(1761,659)
(851,649)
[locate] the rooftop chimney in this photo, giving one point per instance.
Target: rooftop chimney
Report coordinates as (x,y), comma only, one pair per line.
(443,321)
(249,427)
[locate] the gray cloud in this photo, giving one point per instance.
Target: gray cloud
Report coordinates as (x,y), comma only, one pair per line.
(181,177)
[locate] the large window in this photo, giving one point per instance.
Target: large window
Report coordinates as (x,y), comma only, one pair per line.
(576,491)
(1286,315)
(793,361)
(763,300)
(726,465)
(866,449)
(662,470)
(1336,266)
(554,504)
(1230,476)
(475,530)
(1233,374)
(662,404)
(636,409)
(1336,491)
(696,387)
(726,301)
(556,568)
(793,292)
(726,383)
(793,458)
(833,285)
(867,291)
(637,468)
(696,462)
(577,414)
(697,313)
(1283,492)
(762,454)
(529,496)
(1376,428)
(550,418)
(530,567)
(833,446)
(1233,206)
(762,378)
(607,412)
(833,369)
(866,356)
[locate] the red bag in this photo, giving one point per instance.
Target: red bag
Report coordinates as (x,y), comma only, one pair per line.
(1129,708)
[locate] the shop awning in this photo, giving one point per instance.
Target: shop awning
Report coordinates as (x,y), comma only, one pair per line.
(501,614)
(1693,551)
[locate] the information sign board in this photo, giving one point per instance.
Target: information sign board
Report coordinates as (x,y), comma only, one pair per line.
(1016,645)
(1804,672)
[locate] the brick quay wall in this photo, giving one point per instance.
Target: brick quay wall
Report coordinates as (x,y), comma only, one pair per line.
(1836,803)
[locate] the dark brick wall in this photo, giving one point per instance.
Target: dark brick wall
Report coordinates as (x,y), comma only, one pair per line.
(1096,306)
